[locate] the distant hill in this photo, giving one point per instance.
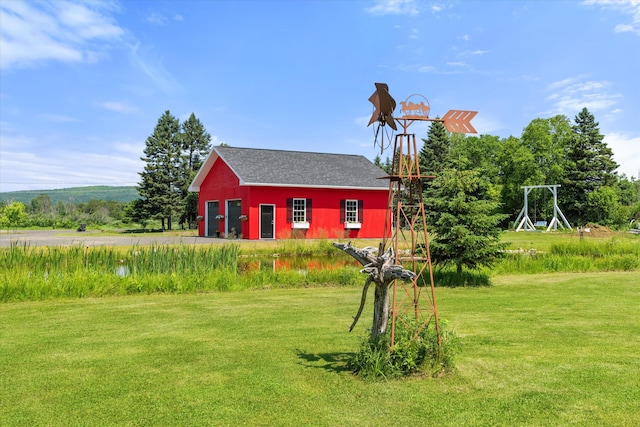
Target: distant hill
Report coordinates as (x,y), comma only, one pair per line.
(75,194)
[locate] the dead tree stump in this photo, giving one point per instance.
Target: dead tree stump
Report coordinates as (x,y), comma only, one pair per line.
(382,271)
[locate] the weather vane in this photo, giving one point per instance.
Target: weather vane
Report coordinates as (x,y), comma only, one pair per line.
(455,121)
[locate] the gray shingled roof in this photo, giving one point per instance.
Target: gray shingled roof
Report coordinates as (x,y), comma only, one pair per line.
(293,168)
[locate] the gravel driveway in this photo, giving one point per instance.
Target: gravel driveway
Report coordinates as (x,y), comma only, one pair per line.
(97,238)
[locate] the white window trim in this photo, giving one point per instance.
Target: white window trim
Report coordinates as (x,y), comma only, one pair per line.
(352,225)
(299,224)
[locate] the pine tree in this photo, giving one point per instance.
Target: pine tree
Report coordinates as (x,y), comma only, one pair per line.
(161,178)
(435,150)
(196,144)
(466,228)
(590,165)
(433,158)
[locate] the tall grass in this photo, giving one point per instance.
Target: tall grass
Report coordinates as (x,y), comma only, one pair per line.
(35,273)
(575,256)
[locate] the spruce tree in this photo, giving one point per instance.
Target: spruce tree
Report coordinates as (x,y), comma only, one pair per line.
(590,165)
(196,144)
(435,150)
(433,158)
(161,178)
(466,231)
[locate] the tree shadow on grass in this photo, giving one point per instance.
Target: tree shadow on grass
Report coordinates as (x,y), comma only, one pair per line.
(335,362)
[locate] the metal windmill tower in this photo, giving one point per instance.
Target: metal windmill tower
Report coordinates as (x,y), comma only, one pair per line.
(406,228)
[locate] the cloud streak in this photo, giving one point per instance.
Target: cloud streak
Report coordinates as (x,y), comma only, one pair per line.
(394,7)
(627,7)
(572,95)
(34,33)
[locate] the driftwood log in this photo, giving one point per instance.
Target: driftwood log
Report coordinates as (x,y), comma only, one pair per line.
(382,271)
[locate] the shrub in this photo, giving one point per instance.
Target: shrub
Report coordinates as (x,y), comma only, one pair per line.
(415,352)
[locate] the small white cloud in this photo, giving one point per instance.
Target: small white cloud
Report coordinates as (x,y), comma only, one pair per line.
(479,52)
(156,18)
(465,37)
(57,118)
(457,64)
(151,65)
(120,107)
(625,7)
(572,95)
(394,7)
(178,18)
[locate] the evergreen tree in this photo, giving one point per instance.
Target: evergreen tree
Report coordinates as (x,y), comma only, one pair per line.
(433,158)
(196,144)
(435,150)
(590,165)
(161,180)
(466,228)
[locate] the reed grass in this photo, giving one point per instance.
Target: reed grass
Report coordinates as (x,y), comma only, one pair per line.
(575,256)
(36,273)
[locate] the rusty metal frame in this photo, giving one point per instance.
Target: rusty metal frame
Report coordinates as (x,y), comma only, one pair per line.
(406,215)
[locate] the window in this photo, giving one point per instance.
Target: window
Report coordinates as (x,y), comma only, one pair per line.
(299,210)
(351,211)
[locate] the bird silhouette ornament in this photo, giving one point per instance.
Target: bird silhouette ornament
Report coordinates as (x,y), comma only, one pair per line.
(384,105)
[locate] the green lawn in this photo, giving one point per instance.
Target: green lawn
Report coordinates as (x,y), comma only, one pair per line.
(551,349)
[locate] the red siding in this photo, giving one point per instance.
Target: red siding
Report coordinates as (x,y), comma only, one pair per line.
(221,184)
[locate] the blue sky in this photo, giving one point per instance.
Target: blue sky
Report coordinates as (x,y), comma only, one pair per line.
(82,84)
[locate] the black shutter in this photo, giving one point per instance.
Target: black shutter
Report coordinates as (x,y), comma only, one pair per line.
(343,211)
(308,210)
(289,210)
(360,210)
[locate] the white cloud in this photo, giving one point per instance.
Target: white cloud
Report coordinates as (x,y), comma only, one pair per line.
(57,118)
(120,107)
(35,170)
(626,152)
(150,64)
(32,33)
(156,18)
(178,18)
(394,7)
(626,7)
(572,95)
(457,64)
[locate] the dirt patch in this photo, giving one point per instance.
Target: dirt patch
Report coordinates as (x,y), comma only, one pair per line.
(590,229)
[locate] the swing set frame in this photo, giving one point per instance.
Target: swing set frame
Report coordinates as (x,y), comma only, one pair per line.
(526,224)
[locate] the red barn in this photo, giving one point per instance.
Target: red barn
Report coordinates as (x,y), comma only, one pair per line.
(266,194)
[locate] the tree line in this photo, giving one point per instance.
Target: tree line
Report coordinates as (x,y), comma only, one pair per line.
(483,174)
(550,151)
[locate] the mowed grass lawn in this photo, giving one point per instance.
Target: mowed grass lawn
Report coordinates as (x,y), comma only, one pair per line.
(556,349)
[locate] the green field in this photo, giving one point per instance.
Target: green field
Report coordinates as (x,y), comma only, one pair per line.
(547,349)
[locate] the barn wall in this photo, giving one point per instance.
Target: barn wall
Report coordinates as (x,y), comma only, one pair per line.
(221,184)
(325,220)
